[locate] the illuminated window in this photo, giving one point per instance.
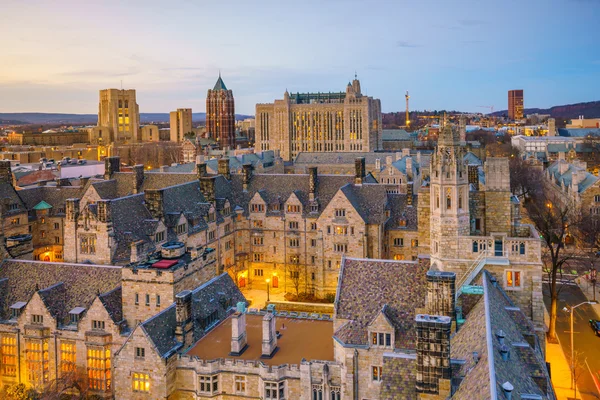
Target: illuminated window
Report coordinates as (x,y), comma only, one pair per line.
(67,357)
(398,257)
(98,367)
(141,382)
(513,279)
(341,230)
(257,208)
(293,208)
(240,384)
(36,357)
(8,355)
(259,257)
(257,223)
(376,373)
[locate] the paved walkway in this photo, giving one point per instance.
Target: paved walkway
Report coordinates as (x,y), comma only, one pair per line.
(561,372)
(258,297)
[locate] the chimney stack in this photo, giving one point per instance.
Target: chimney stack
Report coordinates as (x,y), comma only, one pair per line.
(103,210)
(138,178)
(5,172)
(224,167)
(201,170)
(359,168)
(378,164)
(409,168)
(239,341)
(312,182)
(111,165)
(433,355)
(389,160)
(247,175)
(154,202)
(183,309)
(207,187)
(72,209)
(269,341)
(441,293)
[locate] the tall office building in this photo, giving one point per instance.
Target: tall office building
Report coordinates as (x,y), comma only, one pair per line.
(320,122)
(119,114)
(181,123)
(515,104)
(220,115)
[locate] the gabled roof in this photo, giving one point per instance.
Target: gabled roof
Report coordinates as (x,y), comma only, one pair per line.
(366,286)
(42,205)
(63,286)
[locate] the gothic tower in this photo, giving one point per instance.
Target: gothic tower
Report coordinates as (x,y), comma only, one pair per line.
(220,115)
(449,196)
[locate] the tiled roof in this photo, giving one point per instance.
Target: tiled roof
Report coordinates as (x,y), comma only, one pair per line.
(567,176)
(366,286)
(218,295)
(7,191)
(401,212)
(55,196)
(62,286)
(369,200)
(525,369)
(113,302)
(579,132)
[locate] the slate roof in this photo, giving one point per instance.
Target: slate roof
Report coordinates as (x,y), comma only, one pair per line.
(220,85)
(471,159)
(369,200)
(525,369)
(579,132)
(62,286)
(113,303)
(567,176)
(7,191)
(366,286)
(55,196)
(400,211)
(218,295)
(316,158)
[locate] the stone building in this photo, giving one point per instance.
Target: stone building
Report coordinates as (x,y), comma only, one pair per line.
(64,322)
(220,115)
(118,118)
(320,122)
(180,124)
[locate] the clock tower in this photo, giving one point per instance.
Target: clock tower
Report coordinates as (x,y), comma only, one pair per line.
(449,196)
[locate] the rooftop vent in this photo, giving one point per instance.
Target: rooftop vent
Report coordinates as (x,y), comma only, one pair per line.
(475,357)
(507,387)
(172,250)
(500,335)
(504,352)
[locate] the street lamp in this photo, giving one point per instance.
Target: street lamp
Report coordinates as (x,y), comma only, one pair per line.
(570,310)
(268,280)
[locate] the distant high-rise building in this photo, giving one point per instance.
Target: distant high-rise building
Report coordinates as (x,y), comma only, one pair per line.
(515,104)
(320,122)
(181,123)
(220,115)
(119,114)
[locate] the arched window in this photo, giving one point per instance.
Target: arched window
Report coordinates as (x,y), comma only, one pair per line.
(460,200)
(120,103)
(448,199)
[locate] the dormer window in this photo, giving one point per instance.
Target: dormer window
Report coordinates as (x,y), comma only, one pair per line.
(16,309)
(381,339)
(211,216)
(227,210)
(75,314)
(37,319)
(257,208)
(340,212)
(159,237)
(293,208)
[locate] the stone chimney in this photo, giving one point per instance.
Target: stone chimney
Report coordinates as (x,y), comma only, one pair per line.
(551,127)
(5,172)
(154,202)
(441,293)
(103,210)
(111,165)
(183,309)
(434,372)
(473,176)
(378,164)
(359,170)
(312,182)
(398,155)
(269,340)
(389,160)
(224,167)
(65,182)
(561,156)
(138,178)
(239,341)
(201,170)
(405,152)
(72,209)
(409,168)
(207,187)
(246,175)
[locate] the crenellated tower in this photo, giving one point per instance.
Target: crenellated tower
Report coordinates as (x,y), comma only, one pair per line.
(449,196)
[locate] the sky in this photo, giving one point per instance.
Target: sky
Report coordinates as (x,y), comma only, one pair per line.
(460,54)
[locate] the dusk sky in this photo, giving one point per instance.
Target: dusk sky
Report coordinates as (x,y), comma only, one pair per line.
(448,54)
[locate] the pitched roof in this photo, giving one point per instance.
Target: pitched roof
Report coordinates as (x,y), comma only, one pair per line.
(366,286)
(369,200)
(218,296)
(42,205)
(220,85)
(63,286)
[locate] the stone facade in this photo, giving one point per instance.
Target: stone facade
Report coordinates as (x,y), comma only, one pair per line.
(320,122)
(220,115)
(181,124)
(119,113)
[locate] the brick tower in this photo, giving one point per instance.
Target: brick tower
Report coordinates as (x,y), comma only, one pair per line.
(220,115)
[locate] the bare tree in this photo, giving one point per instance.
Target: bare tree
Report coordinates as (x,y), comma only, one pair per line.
(554,220)
(295,272)
(525,180)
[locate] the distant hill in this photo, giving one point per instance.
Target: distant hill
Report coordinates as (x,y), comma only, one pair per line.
(569,111)
(92,119)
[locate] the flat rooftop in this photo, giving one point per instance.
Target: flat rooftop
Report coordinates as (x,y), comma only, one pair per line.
(300,338)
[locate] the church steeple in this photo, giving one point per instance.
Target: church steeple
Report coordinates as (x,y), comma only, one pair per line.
(220,85)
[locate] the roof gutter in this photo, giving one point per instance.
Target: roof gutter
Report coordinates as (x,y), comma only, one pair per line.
(488,337)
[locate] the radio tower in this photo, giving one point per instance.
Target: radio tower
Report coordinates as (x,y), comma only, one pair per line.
(407,116)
